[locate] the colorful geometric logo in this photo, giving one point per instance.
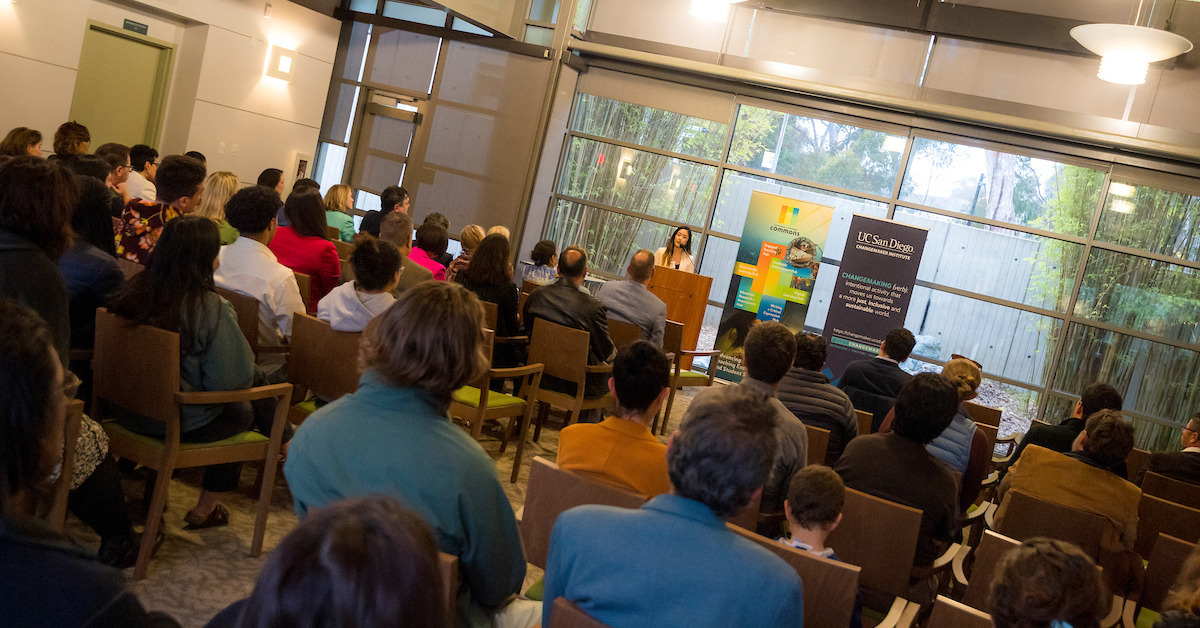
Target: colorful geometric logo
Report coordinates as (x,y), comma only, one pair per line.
(789,216)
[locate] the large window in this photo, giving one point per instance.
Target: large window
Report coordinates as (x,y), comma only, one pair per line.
(1052,270)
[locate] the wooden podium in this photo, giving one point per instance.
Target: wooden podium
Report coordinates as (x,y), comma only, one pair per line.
(686,296)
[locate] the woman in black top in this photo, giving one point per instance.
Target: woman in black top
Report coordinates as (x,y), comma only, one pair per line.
(490,277)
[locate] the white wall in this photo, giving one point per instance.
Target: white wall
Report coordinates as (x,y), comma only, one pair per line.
(218,96)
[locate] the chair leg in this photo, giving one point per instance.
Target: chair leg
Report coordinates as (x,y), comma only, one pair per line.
(477,425)
(507,433)
(264,503)
(522,428)
(158,504)
(667,411)
(543,414)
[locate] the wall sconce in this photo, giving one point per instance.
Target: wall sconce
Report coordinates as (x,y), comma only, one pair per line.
(279,63)
(625,169)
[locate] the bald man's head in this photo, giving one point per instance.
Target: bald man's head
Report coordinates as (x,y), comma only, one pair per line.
(641,266)
(572,264)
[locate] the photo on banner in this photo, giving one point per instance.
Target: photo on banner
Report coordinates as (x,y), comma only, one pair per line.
(773,277)
(872,290)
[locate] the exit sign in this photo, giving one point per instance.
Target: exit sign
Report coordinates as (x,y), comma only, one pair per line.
(136,27)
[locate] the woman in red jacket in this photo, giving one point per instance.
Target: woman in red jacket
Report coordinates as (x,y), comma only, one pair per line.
(302,247)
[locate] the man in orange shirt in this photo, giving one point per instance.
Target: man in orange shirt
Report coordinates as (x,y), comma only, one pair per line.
(621,450)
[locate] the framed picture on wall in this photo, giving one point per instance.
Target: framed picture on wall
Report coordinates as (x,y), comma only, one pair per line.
(300,168)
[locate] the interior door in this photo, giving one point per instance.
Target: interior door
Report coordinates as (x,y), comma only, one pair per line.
(121,86)
(382,152)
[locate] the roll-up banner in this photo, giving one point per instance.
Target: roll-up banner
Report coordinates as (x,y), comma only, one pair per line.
(873,288)
(774,274)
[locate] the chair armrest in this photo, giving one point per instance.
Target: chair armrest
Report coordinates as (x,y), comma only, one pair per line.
(992,479)
(231,396)
(516,371)
(511,340)
(598,368)
(966,520)
(959,567)
(989,517)
(700,354)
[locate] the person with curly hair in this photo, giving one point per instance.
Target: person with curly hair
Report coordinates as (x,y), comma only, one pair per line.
(1046,583)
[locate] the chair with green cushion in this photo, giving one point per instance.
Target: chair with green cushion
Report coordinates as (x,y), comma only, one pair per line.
(323,361)
(680,377)
(1162,569)
(149,357)
(478,404)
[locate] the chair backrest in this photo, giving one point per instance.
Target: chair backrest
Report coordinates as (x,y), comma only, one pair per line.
(881,537)
(1027,517)
(983,414)
(331,232)
(991,548)
(623,334)
(135,367)
(1164,566)
(565,614)
(491,314)
(1170,489)
(818,443)
(344,249)
(950,614)
(563,350)
(347,271)
(528,286)
(304,282)
(863,418)
(246,309)
(1135,462)
(448,566)
(990,433)
(129,267)
(553,490)
(323,360)
(1159,516)
(830,586)
(673,337)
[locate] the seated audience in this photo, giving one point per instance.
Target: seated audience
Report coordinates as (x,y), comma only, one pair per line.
(431,245)
(1180,465)
(180,187)
(897,467)
(673,562)
(469,238)
(392,437)
(813,509)
(219,187)
(437,219)
(51,582)
(303,184)
(807,393)
(70,139)
(490,277)
(1181,607)
(397,228)
(872,385)
(393,199)
(961,446)
(350,306)
(116,157)
(248,267)
(176,293)
(198,156)
(500,229)
(89,268)
(621,449)
(338,202)
(1061,437)
(1046,583)
(359,562)
(144,160)
(769,350)
(1084,479)
(545,258)
(302,247)
(630,301)
(563,303)
(272,178)
(22,141)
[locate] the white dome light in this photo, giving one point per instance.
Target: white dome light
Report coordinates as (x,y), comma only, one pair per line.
(1126,51)
(712,10)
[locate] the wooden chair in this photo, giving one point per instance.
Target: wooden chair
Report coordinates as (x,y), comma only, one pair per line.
(150,357)
(491,314)
(323,361)
(880,537)
(478,403)
(1027,517)
(986,556)
(1170,489)
(344,249)
(551,491)
(1158,516)
(566,614)
(863,419)
(129,267)
(1163,568)
(528,286)
(950,614)
(564,354)
(818,444)
(331,233)
(304,282)
(246,308)
(57,517)
(1135,462)
(830,586)
(347,271)
(448,566)
(983,414)
(623,334)
(680,377)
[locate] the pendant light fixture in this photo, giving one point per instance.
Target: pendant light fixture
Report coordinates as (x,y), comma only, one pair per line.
(1127,50)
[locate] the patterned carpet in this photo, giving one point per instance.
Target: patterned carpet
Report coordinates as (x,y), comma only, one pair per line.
(196,574)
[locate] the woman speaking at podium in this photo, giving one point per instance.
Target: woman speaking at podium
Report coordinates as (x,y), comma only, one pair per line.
(677,253)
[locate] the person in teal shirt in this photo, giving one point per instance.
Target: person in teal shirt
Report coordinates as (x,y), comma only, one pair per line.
(338,201)
(393,437)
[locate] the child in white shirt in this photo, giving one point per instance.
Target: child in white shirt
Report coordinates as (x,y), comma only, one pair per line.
(350,306)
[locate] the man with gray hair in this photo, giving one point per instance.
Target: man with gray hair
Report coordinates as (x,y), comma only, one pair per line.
(630,301)
(673,562)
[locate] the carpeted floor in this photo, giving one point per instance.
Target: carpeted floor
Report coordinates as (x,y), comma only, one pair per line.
(196,574)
